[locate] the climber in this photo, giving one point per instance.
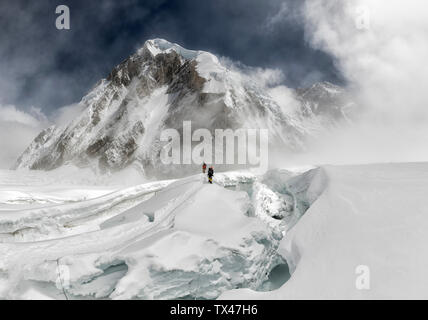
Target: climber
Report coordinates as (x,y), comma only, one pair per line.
(204,167)
(210,174)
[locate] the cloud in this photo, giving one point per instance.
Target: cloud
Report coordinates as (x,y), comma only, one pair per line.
(285,97)
(380,47)
(264,77)
(64,115)
(48,68)
(270,80)
(286,11)
(17,130)
(11,114)
(24,126)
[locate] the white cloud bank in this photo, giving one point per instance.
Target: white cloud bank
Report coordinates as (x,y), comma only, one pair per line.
(17,130)
(381,48)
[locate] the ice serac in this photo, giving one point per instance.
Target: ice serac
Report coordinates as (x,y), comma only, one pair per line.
(159,87)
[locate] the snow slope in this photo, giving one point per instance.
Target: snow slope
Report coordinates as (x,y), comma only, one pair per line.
(181,239)
(185,239)
(369,215)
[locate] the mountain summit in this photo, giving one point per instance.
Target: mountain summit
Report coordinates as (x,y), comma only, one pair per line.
(159,87)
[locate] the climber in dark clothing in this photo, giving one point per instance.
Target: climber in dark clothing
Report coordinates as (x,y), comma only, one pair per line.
(210,174)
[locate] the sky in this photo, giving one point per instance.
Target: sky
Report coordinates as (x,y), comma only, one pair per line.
(376,49)
(46,68)
(381,49)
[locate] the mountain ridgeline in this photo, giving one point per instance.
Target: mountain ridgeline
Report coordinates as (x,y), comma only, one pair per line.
(161,86)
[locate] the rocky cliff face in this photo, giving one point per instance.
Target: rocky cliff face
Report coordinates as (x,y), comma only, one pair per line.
(159,87)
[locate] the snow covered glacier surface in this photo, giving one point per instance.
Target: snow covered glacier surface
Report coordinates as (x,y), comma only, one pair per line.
(175,239)
(370,215)
(185,239)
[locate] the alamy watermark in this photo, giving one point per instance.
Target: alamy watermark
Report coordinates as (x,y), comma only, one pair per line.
(231,147)
(362,18)
(62,22)
(362,282)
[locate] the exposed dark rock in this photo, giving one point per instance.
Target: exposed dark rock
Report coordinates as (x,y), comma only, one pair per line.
(99,146)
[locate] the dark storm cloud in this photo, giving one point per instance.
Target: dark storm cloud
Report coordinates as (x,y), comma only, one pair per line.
(47,68)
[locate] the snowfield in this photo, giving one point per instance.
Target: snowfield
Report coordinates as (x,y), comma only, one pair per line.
(175,239)
(240,238)
(369,215)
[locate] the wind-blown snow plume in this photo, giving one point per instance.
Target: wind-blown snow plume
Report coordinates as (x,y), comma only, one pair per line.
(381,49)
(17,130)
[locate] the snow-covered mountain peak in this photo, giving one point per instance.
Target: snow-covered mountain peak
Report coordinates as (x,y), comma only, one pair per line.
(326,100)
(160,87)
(324,88)
(208,65)
(158,46)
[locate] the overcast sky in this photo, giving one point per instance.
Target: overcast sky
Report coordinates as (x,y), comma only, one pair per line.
(45,68)
(378,49)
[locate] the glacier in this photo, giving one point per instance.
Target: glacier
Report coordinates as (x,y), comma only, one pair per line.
(288,234)
(92,213)
(172,239)
(368,217)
